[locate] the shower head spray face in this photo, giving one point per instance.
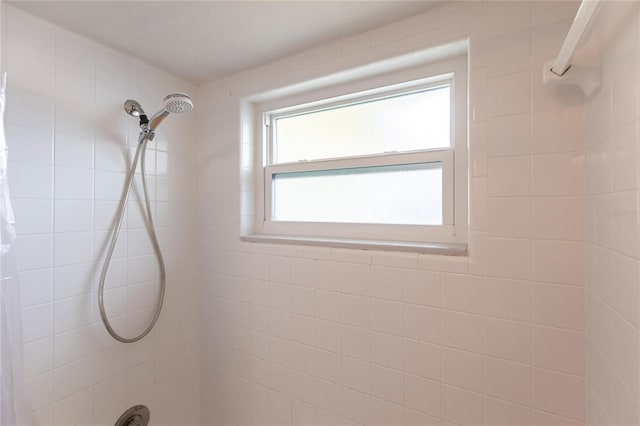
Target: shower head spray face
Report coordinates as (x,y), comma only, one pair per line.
(174,103)
(177,103)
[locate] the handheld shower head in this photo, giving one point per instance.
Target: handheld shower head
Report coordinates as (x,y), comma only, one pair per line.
(177,103)
(174,103)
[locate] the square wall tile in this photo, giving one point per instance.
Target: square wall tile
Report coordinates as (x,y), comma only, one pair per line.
(509,176)
(558,393)
(508,94)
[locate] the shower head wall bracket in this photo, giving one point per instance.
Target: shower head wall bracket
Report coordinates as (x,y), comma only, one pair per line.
(134,109)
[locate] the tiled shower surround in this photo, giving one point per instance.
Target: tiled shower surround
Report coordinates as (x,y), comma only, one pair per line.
(300,335)
(256,334)
(612,232)
(69,140)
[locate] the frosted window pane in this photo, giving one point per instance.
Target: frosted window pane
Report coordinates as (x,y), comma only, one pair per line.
(399,194)
(406,122)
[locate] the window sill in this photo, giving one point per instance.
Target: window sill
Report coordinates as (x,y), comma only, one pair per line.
(445,249)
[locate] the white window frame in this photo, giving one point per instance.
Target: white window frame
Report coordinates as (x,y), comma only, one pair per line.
(453,158)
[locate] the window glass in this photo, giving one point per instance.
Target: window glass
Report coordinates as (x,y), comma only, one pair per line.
(409,194)
(412,121)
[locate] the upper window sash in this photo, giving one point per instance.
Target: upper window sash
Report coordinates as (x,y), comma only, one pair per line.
(444,79)
(270,118)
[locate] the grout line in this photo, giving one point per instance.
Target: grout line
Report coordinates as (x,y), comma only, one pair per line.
(531,271)
(53,206)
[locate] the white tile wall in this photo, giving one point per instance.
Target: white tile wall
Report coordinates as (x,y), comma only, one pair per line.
(303,335)
(68,138)
(496,338)
(612,233)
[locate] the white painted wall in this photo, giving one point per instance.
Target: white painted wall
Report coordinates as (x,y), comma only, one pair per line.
(299,335)
(68,139)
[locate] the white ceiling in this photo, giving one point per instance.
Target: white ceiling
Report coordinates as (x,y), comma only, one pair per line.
(202,40)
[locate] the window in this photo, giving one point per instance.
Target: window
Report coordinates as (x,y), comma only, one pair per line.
(387,162)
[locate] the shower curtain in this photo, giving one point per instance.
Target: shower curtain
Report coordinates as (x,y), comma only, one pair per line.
(12,406)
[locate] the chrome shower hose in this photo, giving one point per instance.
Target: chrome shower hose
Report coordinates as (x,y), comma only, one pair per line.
(142,147)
